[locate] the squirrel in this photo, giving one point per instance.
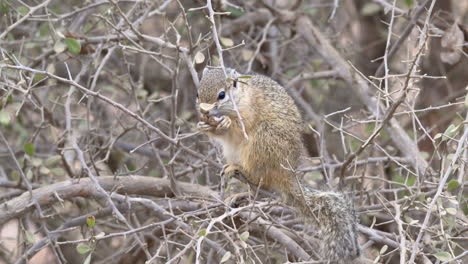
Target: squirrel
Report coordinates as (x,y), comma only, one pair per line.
(260,128)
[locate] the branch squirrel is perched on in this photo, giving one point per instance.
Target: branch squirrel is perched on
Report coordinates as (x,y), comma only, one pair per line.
(260,128)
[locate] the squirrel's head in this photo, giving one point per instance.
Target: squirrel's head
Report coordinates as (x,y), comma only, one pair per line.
(217,91)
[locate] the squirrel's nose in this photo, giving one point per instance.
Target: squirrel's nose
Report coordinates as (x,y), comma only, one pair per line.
(206,108)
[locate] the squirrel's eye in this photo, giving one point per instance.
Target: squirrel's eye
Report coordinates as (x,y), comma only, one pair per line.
(221,95)
(197,95)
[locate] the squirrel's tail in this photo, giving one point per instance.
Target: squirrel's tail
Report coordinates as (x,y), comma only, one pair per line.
(334,216)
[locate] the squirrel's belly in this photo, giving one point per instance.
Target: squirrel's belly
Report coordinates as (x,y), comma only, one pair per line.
(231,151)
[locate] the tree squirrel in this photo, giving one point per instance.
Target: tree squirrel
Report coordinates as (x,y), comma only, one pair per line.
(259,127)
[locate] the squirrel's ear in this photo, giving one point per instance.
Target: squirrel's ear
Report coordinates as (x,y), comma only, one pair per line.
(231,73)
(205,71)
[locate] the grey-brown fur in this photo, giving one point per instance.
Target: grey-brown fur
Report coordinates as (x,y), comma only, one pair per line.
(271,151)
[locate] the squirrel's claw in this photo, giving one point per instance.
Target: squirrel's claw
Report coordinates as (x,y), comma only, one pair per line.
(224,123)
(237,199)
(204,126)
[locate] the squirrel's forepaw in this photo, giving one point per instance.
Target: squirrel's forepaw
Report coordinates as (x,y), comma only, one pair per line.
(224,123)
(204,126)
(231,170)
(237,199)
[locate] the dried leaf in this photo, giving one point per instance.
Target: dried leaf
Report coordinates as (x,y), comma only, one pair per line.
(244,236)
(58,172)
(53,160)
(59,46)
(43,170)
(466,100)
(226,257)
(4,118)
(227,42)
(370,9)
(383,249)
(247,54)
(199,58)
(451,210)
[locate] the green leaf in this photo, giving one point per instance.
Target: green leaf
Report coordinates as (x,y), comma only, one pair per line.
(91,220)
(399,179)
(87,259)
(44,29)
(202,232)
(29,149)
(23,10)
(83,248)
(411,181)
(450,132)
(4,8)
(245,77)
(443,256)
(4,118)
(39,77)
(15,175)
(409,3)
(226,257)
(244,236)
(452,185)
(30,239)
(234,11)
(370,9)
(73,45)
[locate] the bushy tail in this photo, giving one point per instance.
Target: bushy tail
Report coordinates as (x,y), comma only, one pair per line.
(334,216)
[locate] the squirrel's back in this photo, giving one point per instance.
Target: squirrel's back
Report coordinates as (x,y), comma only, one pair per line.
(278,103)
